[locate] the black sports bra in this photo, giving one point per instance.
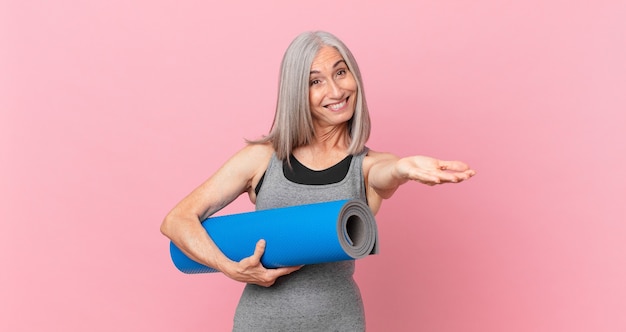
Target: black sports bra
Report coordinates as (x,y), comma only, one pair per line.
(301,174)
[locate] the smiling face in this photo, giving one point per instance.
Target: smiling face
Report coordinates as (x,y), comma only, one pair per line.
(332,89)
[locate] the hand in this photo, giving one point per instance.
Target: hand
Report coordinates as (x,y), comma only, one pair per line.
(250,270)
(432,171)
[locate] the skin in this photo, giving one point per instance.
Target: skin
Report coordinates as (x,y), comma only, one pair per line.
(332,96)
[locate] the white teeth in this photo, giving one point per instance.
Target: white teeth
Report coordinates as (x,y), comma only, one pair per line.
(335,107)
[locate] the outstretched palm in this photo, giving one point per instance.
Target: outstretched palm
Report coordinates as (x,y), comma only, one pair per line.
(432,171)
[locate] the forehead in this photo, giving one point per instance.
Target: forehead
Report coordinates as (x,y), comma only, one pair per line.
(325,58)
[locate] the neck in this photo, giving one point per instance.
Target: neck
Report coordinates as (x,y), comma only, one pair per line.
(331,138)
(327,148)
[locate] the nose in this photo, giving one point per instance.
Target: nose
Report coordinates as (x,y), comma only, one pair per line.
(335,90)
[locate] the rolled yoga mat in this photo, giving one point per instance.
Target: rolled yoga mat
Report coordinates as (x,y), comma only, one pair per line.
(296,235)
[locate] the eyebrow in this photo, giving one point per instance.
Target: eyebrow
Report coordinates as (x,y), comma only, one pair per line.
(334,66)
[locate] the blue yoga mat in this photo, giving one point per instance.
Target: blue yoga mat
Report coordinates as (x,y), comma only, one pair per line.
(296,235)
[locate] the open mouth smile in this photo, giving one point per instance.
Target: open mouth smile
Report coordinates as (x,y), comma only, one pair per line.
(339,105)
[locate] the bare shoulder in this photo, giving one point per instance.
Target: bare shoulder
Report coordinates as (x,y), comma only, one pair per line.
(250,163)
(232,179)
(260,154)
(251,159)
(257,150)
(374,157)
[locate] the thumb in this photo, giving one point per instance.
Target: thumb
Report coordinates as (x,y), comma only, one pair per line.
(259,249)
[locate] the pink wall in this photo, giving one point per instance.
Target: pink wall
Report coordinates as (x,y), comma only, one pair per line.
(111,111)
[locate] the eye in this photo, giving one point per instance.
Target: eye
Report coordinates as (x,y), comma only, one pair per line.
(314,82)
(341,72)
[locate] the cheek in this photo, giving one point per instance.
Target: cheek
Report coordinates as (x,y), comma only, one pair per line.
(314,97)
(350,84)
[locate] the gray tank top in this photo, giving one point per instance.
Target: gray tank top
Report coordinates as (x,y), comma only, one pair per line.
(319,297)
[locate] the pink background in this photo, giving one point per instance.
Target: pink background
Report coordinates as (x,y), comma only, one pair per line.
(112,111)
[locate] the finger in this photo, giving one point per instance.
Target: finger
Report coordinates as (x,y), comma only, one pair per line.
(281,271)
(456,166)
(271,275)
(291,269)
(456,177)
(468,174)
(444,176)
(424,177)
(259,249)
(448,177)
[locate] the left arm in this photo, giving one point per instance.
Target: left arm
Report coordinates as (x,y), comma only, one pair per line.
(385,172)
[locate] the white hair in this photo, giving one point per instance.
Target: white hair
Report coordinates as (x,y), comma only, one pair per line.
(293,124)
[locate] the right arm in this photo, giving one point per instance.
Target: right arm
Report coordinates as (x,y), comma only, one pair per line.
(183,225)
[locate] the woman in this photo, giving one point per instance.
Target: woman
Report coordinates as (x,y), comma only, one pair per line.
(314,152)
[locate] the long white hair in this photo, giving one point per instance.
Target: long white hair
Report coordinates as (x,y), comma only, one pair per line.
(293,124)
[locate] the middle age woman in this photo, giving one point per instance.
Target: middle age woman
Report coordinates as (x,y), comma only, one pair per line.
(314,152)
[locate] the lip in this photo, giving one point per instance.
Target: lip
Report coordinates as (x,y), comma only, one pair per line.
(344,102)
